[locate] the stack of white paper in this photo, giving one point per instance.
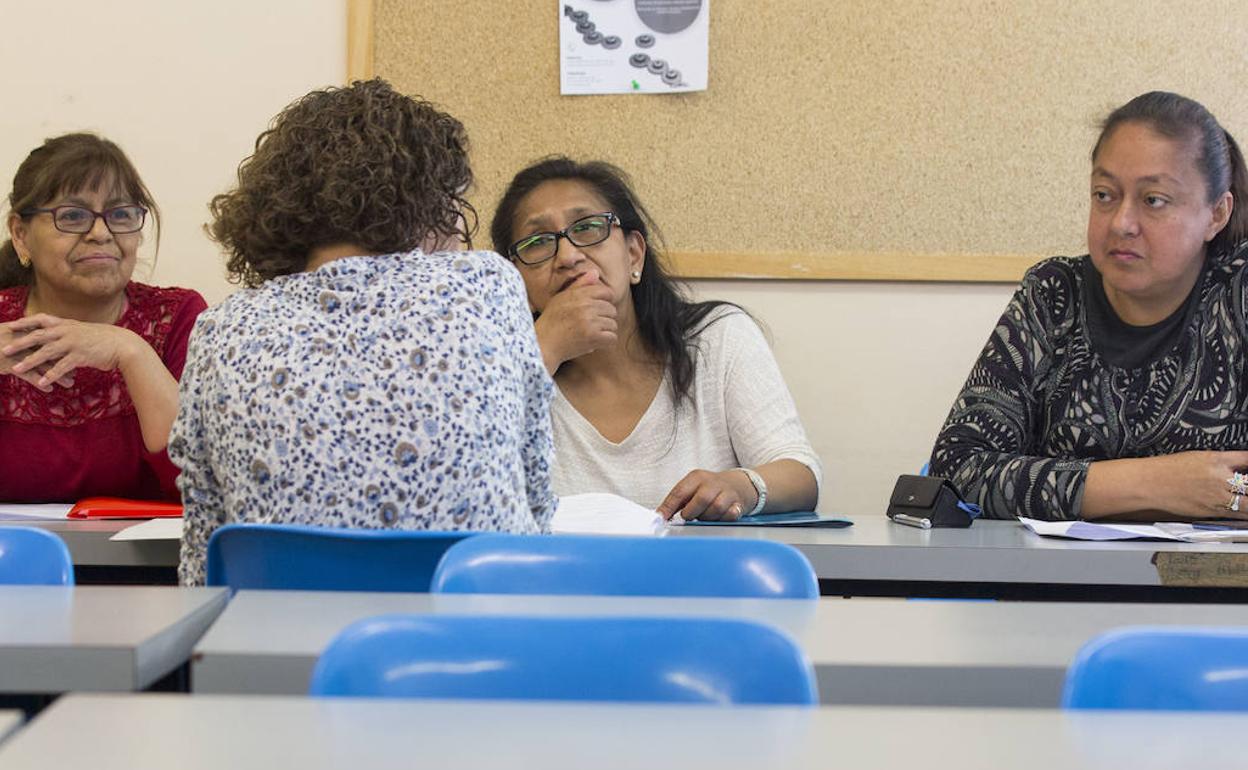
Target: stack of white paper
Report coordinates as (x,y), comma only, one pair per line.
(589,514)
(1166,530)
(600,513)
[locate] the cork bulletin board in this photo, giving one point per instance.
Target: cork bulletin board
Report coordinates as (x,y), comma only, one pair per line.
(839,139)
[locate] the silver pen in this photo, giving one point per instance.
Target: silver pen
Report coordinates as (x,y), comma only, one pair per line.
(912,521)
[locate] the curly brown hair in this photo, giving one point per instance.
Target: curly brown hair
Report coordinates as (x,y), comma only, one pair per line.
(363,165)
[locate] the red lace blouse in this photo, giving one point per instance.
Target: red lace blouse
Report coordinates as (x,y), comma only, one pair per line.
(84,441)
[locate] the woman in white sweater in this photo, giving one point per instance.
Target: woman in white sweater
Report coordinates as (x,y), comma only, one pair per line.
(674,404)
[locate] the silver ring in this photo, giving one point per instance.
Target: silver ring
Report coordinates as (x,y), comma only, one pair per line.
(1238,483)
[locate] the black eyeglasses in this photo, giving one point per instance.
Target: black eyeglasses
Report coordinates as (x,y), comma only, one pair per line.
(78,220)
(539,247)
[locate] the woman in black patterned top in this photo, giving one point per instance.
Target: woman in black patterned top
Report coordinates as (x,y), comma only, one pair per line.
(1114,385)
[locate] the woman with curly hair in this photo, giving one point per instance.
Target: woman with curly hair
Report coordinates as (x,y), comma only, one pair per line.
(369,377)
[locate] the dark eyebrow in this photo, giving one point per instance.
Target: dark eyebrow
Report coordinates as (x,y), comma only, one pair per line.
(1150,179)
(74,200)
(580,212)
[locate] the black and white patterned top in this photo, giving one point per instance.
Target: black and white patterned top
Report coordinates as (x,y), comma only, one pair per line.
(405,391)
(1042,402)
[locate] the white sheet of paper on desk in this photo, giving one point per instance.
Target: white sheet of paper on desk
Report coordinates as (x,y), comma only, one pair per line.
(1165,530)
(155,529)
(588,514)
(34,512)
(601,513)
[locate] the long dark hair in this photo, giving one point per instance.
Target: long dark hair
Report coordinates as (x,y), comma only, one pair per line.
(66,164)
(1218,156)
(667,321)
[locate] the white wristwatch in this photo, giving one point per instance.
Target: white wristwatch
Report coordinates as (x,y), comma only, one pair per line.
(760,487)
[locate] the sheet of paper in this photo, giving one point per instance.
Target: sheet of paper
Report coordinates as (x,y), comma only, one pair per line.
(633,46)
(1205,533)
(1085,530)
(35,512)
(600,513)
(154,529)
(1183,532)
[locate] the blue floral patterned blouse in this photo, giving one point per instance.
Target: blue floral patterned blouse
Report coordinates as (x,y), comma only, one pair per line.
(404,392)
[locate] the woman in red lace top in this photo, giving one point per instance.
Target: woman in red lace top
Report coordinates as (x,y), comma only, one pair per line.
(89,359)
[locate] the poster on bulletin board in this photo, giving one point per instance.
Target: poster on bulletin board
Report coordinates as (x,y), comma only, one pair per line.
(633,46)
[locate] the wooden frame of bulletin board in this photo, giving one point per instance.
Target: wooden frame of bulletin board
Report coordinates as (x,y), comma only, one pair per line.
(857,140)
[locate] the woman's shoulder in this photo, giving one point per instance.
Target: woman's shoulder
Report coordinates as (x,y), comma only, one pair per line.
(1055,269)
(159,314)
(723,319)
(1056,284)
(145,293)
(1231,266)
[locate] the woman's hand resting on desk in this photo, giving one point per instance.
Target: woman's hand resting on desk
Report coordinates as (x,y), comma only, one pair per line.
(11,364)
(1186,485)
(578,320)
(710,496)
(55,347)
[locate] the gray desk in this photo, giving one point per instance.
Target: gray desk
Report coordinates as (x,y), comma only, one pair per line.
(98,638)
(9,722)
(865,651)
(992,559)
(159,731)
(1000,559)
(100,560)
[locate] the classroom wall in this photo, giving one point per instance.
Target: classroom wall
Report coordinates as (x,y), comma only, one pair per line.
(183,87)
(873,366)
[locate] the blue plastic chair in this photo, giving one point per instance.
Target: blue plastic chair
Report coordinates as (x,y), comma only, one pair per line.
(626,566)
(32,556)
(690,660)
(1164,668)
(299,557)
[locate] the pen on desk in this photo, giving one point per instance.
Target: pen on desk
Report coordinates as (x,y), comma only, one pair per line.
(912,521)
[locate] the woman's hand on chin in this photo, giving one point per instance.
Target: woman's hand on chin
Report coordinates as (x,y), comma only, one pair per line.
(578,320)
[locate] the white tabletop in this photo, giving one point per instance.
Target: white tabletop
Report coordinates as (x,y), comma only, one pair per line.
(89,543)
(876,548)
(159,731)
(9,722)
(865,651)
(873,549)
(55,639)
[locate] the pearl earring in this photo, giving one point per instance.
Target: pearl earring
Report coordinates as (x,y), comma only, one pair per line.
(636,274)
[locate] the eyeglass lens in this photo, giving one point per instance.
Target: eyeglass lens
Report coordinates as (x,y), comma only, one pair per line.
(76,219)
(586,231)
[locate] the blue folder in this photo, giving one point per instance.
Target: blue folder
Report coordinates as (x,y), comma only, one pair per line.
(792,519)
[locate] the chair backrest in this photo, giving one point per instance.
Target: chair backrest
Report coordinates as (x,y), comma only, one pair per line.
(626,566)
(32,556)
(1169,668)
(298,557)
(693,660)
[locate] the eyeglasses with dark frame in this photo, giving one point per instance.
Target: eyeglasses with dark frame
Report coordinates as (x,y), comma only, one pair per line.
(79,220)
(540,247)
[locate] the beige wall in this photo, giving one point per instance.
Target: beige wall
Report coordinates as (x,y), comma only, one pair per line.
(873,367)
(183,87)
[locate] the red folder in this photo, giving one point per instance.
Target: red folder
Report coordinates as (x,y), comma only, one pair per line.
(117,508)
